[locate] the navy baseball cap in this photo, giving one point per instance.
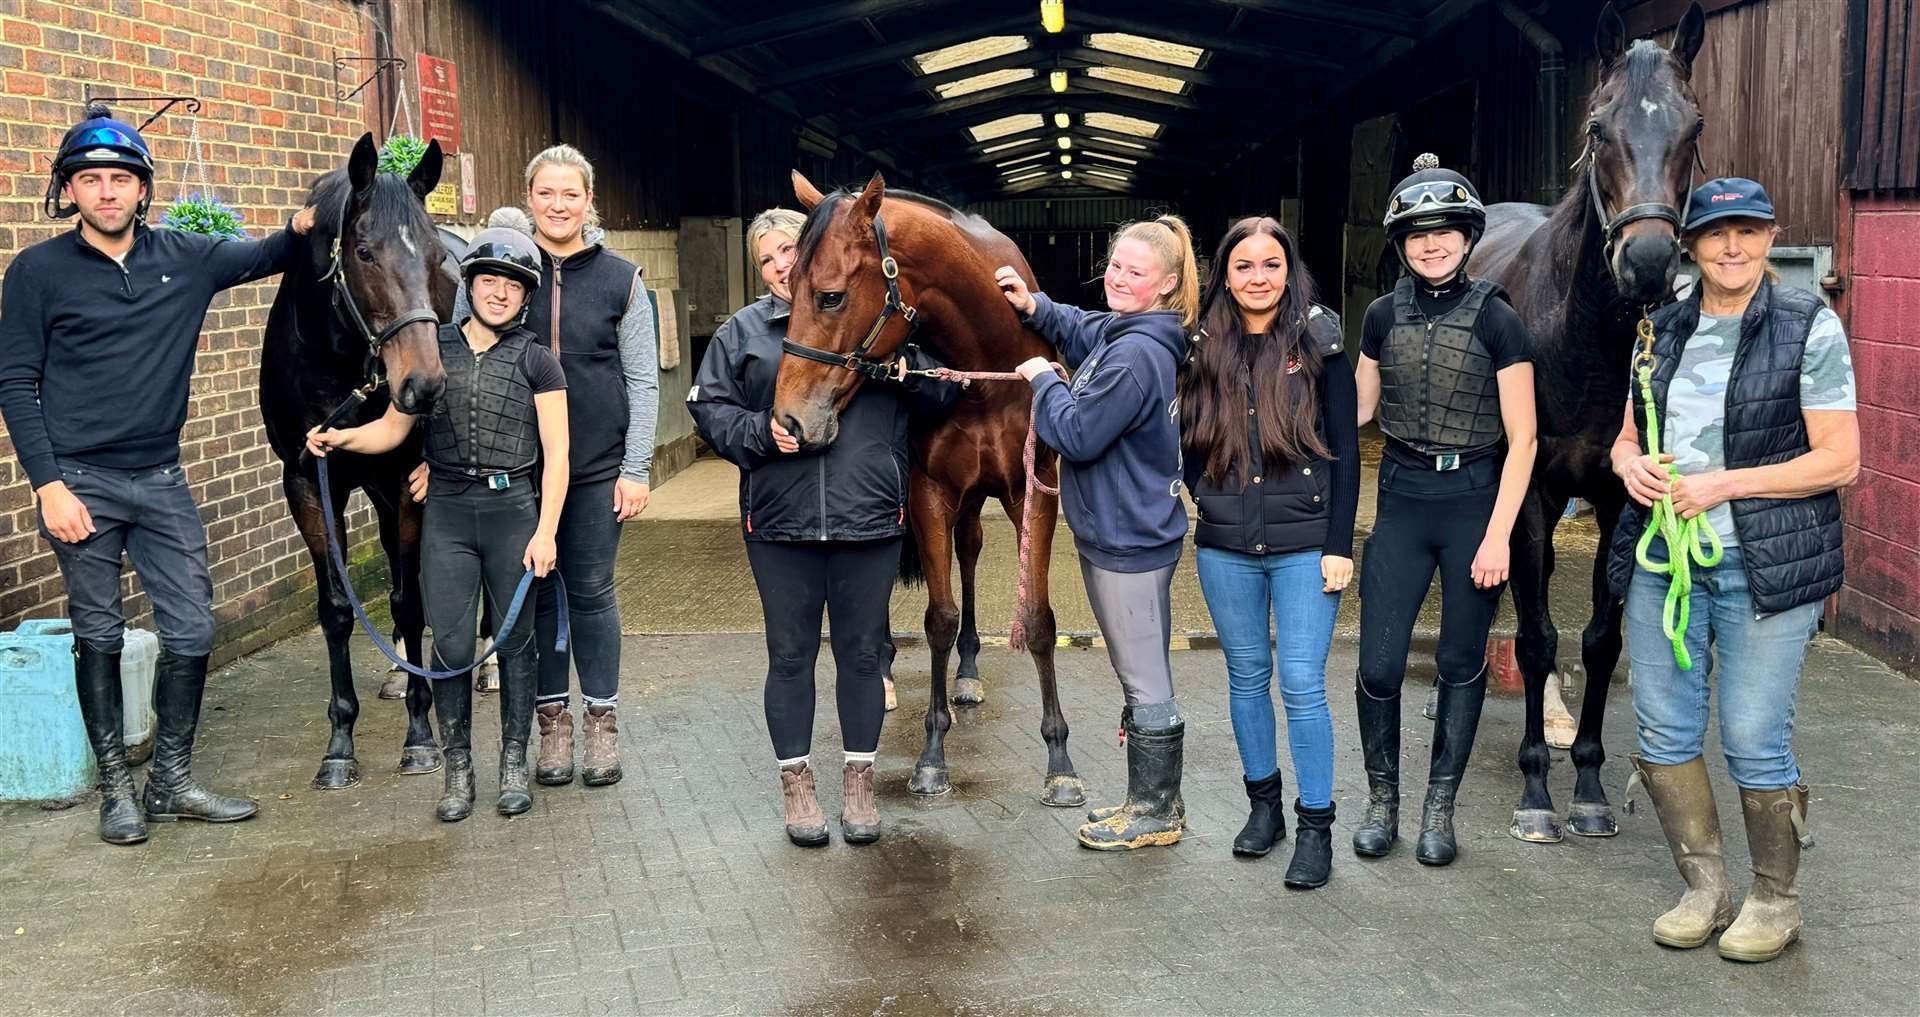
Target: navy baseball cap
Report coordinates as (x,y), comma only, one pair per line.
(1726,198)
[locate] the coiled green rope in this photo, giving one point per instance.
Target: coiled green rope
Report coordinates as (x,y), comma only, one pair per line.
(1689,541)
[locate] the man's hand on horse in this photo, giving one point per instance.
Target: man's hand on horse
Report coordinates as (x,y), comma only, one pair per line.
(1335,573)
(1014,289)
(630,498)
(1034,368)
(782,439)
(303,220)
(63,513)
(1490,563)
(1695,494)
(1646,480)
(417,483)
(319,442)
(540,554)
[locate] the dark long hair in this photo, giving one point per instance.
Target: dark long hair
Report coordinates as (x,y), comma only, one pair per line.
(1213,387)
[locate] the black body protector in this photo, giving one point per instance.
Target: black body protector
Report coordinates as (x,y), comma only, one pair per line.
(485,426)
(1438,390)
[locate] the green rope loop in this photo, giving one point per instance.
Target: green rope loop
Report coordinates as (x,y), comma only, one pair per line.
(1689,541)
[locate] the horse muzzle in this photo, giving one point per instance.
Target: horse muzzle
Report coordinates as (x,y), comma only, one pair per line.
(418,391)
(1644,265)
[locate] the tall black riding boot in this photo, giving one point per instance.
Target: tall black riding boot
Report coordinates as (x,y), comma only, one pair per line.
(1452,744)
(453,701)
(1380,747)
(97,681)
(1154,813)
(519,674)
(1266,817)
(172,793)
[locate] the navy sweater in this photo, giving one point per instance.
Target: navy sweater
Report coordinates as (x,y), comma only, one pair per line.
(1117,429)
(95,356)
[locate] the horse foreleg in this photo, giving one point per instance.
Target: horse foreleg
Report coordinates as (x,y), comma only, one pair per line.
(399,518)
(1535,647)
(338,769)
(1063,787)
(1591,815)
(933,518)
(968,689)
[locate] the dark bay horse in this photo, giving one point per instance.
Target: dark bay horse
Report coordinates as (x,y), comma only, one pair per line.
(1581,274)
(946,261)
(368,300)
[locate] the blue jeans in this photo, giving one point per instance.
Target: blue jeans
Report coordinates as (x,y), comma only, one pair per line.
(1241,590)
(1758,661)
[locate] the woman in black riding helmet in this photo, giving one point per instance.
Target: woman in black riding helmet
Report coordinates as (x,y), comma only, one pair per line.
(486,523)
(1448,366)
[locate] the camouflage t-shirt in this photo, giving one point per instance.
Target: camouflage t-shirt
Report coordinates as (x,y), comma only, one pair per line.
(1696,399)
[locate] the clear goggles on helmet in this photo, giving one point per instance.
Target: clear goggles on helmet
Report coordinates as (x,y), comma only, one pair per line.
(1439,195)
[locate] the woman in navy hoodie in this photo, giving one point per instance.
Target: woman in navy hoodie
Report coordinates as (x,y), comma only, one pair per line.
(1116,426)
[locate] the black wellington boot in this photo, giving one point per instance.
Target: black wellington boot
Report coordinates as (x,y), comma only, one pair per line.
(519,672)
(1312,847)
(1380,746)
(1266,819)
(172,793)
(1095,815)
(453,701)
(1452,744)
(97,681)
(1154,813)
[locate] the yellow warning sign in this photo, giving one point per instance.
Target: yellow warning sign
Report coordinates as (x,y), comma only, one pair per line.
(444,199)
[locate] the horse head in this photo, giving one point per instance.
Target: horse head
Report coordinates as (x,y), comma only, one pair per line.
(381,254)
(1642,144)
(847,310)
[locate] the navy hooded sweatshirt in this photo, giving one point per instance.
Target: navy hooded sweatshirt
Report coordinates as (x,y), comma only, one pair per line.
(1117,428)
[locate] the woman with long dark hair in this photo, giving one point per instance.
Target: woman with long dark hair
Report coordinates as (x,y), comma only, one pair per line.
(1271,453)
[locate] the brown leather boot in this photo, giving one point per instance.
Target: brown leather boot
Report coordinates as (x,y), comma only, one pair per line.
(859,817)
(602,763)
(1683,799)
(806,824)
(1769,919)
(555,765)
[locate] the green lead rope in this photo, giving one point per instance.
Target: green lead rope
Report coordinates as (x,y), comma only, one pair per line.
(1689,541)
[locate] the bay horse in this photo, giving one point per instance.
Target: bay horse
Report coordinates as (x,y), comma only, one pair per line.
(365,303)
(844,304)
(1581,274)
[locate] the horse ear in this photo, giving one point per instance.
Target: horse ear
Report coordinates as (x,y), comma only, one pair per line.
(1689,37)
(867,205)
(363,164)
(1610,35)
(426,173)
(803,189)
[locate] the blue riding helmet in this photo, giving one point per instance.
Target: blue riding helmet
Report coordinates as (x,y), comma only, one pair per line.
(1727,198)
(98,141)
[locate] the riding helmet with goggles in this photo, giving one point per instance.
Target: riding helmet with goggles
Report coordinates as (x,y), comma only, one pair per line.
(506,252)
(1433,198)
(97,142)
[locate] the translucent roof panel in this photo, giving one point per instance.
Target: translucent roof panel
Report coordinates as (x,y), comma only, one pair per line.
(1112,158)
(1109,174)
(1122,124)
(1024,158)
(1122,142)
(1006,125)
(1032,175)
(1138,79)
(947,57)
(981,82)
(1146,49)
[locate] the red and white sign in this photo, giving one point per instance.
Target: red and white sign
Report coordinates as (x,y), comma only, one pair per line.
(439,101)
(469,187)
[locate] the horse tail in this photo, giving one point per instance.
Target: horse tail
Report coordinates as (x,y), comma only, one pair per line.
(910,574)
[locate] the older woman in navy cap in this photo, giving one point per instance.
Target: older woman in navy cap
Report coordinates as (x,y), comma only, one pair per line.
(1726,553)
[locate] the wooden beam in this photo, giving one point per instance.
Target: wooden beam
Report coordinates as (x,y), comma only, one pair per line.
(813,19)
(1138,94)
(1210,40)
(1343,15)
(864,58)
(957,104)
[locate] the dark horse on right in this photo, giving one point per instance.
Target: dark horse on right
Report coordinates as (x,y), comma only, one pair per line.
(1581,274)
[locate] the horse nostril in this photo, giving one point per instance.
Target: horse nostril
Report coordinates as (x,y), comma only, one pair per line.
(792,424)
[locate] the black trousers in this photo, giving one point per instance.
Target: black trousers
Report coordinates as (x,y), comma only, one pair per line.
(588,541)
(473,543)
(853,582)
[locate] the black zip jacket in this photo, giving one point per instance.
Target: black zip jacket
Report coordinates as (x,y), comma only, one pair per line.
(576,313)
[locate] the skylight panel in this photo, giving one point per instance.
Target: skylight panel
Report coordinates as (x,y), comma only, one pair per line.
(1138,79)
(949,57)
(1146,49)
(1012,124)
(982,82)
(1122,124)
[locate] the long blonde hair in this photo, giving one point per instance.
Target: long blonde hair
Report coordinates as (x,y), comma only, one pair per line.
(572,158)
(773,220)
(1169,237)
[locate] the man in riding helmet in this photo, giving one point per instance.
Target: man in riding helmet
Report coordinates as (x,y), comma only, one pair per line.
(97,337)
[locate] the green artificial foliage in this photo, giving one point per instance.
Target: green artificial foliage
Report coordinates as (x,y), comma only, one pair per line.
(401,154)
(203,213)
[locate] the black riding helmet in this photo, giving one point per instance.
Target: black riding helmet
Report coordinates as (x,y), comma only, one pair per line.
(1433,198)
(502,251)
(95,142)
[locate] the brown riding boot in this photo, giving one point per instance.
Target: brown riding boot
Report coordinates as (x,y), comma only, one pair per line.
(602,763)
(859,817)
(806,824)
(1769,919)
(555,765)
(1683,799)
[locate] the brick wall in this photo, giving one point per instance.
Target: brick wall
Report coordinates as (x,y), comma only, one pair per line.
(1880,607)
(268,125)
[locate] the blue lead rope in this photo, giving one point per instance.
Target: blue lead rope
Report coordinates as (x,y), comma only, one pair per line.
(360,611)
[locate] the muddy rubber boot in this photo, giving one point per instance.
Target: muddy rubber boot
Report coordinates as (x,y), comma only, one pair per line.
(1312,847)
(1266,818)
(806,824)
(519,672)
(97,682)
(1380,747)
(1769,919)
(1683,799)
(171,792)
(1453,737)
(602,763)
(1095,815)
(1154,813)
(555,766)
(859,816)
(453,704)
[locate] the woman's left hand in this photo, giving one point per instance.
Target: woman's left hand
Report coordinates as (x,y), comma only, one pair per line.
(1490,563)
(630,498)
(1695,494)
(1034,368)
(540,554)
(1335,572)
(303,220)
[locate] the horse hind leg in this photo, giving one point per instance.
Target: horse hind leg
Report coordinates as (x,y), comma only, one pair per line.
(1591,815)
(1536,644)
(399,520)
(968,688)
(1063,788)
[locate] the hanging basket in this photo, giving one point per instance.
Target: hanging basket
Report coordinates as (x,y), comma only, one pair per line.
(200,212)
(401,154)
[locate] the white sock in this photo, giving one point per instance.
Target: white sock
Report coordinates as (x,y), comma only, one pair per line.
(794,763)
(861,757)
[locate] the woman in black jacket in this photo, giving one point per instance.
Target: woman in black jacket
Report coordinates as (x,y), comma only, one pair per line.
(1272,458)
(823,530)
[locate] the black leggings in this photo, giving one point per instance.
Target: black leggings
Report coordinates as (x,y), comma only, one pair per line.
(1426,521)
(475,542)
(853,581)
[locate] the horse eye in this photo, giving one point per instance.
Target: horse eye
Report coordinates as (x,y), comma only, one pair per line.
(363,252)
(829,301)
(1595,131)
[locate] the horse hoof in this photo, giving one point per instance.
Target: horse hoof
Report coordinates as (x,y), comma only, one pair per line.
(1591,819)
(930,781)
(336,775)
(1537,826)
(969,692)
(419,759)
(395,687)
(1063,791)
